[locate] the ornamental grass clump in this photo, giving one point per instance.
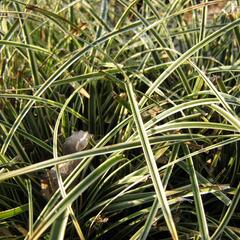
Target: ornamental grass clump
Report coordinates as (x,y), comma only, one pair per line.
(128,111)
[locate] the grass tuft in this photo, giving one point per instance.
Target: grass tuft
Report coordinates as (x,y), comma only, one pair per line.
(155,83)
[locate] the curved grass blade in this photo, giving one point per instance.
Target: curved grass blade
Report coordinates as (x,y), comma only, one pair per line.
(150,160)
(143,234)
(13,212)
(202,222)
(59,226)
(24,45)
(30,207)
(111,149)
